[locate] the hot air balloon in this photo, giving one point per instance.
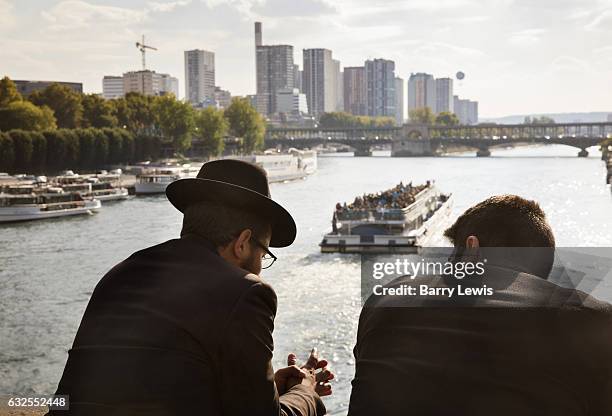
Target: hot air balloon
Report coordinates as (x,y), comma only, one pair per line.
(460,75)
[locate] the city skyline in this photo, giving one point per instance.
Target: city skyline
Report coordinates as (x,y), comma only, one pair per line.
(531,63)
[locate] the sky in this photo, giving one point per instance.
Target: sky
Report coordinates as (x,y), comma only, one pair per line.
(519,56)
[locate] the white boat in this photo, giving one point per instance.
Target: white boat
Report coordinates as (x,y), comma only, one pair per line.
(157,181)
(382,225)
(283,167)
(101,186)
(32,203)
(105,192)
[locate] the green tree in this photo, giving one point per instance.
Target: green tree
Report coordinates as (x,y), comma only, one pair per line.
(447,118)
(136,112)
(147,147)
(422,115)
(39,152)
(26,116)
(382,121)
(87,147)
(22,145)
(543,120)
(539,120)
(73,149)
(8,92)
(175,121)
(338,120)
(128,146)
(346,120)
(246,123)
(56,149)
(211,127)
(65,103)
(7,153)
(100,148)
(115,146)
(121,111)
(97,112)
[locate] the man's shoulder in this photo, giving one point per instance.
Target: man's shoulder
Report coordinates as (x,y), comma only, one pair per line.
(179,263)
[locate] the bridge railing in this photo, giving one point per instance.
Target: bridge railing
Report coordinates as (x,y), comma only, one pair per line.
(503,131)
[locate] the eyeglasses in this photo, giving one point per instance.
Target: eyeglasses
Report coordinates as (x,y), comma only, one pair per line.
(268,259)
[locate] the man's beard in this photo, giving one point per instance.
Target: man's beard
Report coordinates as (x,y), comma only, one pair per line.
(251,265)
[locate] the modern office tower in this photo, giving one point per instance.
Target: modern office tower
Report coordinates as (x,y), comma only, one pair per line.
(380,87)
(339,86)
(421,92)
(26,87)
(149,83)
(252,99)
(168,84)
(291,101)
(258,35)
(355,90)
(466,110)
(318,81)
(399,101)
(472,112)
(610,117)
(142,82)
(112,87)
(444,95)
(297,77)
(223,98)
(199,76)
(274,69)
(459,109)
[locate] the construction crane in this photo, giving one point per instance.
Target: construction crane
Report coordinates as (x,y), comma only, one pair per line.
(143,47)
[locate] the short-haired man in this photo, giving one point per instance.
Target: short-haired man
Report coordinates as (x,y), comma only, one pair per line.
(185,327)
(532,348)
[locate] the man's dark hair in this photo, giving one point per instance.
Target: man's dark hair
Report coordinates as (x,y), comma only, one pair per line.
(220,223)
(509,221)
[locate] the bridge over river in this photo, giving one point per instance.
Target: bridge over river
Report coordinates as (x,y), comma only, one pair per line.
(424,140)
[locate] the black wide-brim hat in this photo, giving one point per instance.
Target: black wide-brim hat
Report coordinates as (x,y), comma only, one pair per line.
(239,184)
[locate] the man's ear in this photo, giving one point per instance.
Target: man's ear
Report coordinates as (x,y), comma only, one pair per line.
(241,244)
(472,242)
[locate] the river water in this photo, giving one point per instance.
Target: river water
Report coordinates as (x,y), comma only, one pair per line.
(48,269)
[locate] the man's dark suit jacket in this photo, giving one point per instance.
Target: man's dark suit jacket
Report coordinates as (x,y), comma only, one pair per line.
(531,349)
(176,330)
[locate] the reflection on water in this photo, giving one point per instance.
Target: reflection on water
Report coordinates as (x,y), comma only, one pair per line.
(48,269)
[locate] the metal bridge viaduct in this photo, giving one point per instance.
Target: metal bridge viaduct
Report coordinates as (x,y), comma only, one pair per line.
(423,140)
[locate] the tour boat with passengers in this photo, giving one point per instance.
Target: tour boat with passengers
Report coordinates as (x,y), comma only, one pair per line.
(32,202)
(398,220)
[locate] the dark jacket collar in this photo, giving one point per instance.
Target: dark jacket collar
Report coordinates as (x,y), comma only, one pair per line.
(194,238)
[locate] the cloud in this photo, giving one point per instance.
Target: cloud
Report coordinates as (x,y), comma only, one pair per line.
(602,21)
(7,18)
(298,8)
(167,6)
(467,19)
(74,14)
(244,7)
(526,37)
(443,49)
(401,5)
(559,5)
(570,64)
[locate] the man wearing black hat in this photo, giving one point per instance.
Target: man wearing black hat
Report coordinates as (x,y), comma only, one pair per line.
(185,327)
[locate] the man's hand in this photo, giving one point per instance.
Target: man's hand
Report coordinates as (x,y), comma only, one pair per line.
(317,380)
(287,377)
